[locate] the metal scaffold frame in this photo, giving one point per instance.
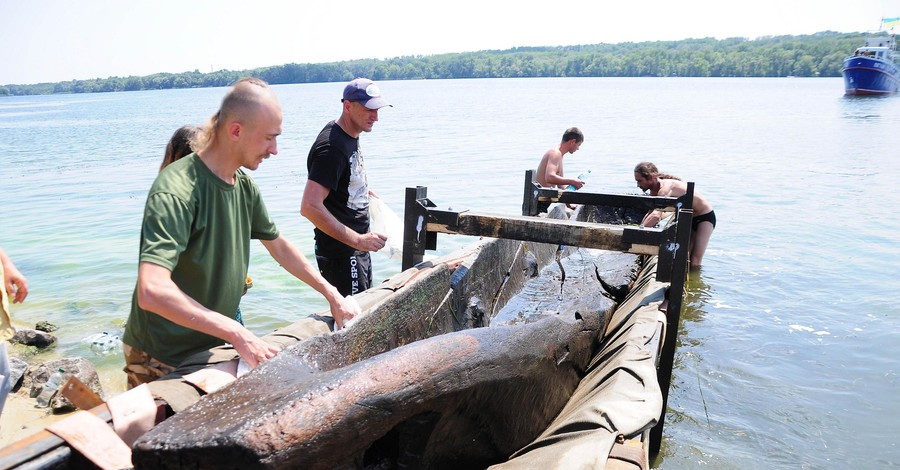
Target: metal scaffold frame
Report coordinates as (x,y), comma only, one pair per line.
(423,221)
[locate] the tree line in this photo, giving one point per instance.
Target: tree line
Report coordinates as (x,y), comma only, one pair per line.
(815,55)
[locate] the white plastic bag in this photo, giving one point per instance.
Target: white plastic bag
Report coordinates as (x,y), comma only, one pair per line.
(383,220)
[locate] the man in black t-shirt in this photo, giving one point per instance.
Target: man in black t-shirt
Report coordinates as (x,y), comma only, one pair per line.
(336,198)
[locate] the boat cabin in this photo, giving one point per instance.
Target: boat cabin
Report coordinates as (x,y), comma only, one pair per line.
(872,52)
(877,48)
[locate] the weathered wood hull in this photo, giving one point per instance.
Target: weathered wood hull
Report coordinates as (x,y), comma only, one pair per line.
(416,382)
(463,399)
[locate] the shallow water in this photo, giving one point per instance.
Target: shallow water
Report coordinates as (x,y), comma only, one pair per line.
(787,354)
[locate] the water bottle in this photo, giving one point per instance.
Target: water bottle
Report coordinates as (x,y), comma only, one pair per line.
(50,389)
(581,177)
(103,343)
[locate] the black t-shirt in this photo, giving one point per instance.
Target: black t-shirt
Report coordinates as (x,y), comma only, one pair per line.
(336,162)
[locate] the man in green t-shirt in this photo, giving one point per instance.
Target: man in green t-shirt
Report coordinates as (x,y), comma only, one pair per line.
(200,215)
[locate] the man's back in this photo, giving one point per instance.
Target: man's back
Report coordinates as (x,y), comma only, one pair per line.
(550,172)
(553,159)
(678,188)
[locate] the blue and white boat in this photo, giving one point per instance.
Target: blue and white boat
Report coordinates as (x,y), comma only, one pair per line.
(872,69)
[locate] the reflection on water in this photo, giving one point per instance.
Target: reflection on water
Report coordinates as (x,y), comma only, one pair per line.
(697,293)
(865,107)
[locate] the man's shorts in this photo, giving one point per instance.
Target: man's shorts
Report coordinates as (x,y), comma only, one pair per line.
(140,368)
(349,274)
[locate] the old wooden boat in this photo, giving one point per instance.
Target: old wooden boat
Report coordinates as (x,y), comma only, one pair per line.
(516,352)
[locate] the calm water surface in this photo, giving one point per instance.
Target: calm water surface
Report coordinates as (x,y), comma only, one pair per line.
(789,338)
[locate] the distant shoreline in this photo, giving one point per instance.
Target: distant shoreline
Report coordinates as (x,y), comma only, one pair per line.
(816,55)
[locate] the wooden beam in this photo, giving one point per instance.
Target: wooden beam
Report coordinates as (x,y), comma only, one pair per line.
(542,230)
(639,202)
(530,203)
(536,199)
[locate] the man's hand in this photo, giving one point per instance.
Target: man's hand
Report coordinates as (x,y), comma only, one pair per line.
(15,283)
(343,310)
(253,350)
(313,208)
(372,241)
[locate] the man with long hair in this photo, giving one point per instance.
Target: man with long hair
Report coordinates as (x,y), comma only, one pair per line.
(200,216)
(648,178)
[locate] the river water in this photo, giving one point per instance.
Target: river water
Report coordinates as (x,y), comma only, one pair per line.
(788,343)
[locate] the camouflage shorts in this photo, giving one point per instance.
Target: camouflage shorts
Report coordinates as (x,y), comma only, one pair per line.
(140,368)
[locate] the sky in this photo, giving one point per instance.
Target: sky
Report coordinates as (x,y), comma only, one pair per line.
(60,40)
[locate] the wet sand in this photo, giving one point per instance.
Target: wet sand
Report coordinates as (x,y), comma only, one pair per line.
(21,419)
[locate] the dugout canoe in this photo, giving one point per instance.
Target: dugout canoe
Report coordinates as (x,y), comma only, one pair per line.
(454,369)
(505,355)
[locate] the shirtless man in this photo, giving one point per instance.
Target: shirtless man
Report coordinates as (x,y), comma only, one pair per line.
(703,222)
(550,170)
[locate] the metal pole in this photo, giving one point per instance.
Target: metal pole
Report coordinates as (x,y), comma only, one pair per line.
(415,220)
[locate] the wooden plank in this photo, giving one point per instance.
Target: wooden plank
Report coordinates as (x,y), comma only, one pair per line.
(58,458)
(80,394)
(414,215)
(536,199)
(642,202)
(530,204)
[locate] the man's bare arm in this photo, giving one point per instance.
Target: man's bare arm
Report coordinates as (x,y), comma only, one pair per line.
(14,281)
(157,293)
(313,208)
(553,170)
(293,261)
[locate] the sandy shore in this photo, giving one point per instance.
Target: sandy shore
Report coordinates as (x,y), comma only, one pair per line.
(21,419)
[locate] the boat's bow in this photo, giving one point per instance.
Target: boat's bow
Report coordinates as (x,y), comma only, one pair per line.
(872,69)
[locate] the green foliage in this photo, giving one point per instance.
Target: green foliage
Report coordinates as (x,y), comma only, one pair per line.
(816,55)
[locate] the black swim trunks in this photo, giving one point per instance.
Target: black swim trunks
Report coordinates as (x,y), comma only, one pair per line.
(707,217)
(349,274)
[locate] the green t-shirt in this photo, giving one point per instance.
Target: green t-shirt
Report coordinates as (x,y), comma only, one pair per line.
(199,227)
